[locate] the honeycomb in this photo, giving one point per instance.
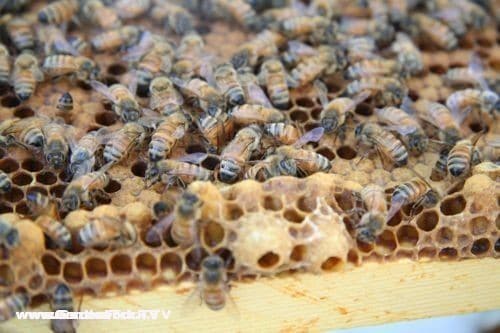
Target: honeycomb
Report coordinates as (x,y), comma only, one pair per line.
(285,224)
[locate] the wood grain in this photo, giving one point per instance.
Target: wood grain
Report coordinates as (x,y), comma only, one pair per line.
(368,295)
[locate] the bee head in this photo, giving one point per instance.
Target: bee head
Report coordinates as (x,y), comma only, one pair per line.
(431,198)
(152,174)
(12,238)
(56,160)
(160,209)
(418,143)
(6,187)
(358,130)
(240,59)
(130,113)
(212,263)
(329,124)
(70,201)
(384,32)
(229,171)
(490,100)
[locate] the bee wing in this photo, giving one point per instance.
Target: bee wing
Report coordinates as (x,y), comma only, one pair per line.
(407,106)
(257,95)
(322,92)
(300,48)
(137,51)
(103,90)
(313,135)
(403,130)
(207,71)
(193,158)
(477,70)
(192,302)
(361,97)
(166,66)
(133,83)
(155,233)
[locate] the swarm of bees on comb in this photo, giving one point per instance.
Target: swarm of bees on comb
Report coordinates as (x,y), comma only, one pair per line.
(154,141)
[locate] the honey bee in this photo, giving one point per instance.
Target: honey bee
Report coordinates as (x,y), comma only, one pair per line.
(62,299)
(437,32)
(83,152)
(28,130)
(164,97)
(408,55)
(107,230)
(124,103)
(373,67)
(384,90)
(226,80)
(79,44)
(247,114)
(463,101)
(202,94)
(25,75)
(416,192)
(127,9)
(238,152)
(187,213)
(215,130)
(391,151)
(316,29)
(380,30)
(307,162)
(56,145)
(264,45)
(261,5)
(57,232)
(5,183)
(213,287)
(440,117)
(379,10)
(21,34)
(167,133)
(153,55)
(81,190)
(4,65)
(114,39)
(285,133)
(40,204)
(452,17)
(12,304)
(9,235)
(440,169)
(58,12)
(335,112)
(326,8)
(180,171)
(463,76)
(373,221)
(65,102)
(237,10)
(175,17)
(297,52)
(276,80)
(250,85)
(54,41)
(473,14)
(97,13)
(77,67)
(273,15)
(408,127)
(462,157)
(272,166)
(360,48)
(190,47)
(121,142)
(327,60)
(183,220)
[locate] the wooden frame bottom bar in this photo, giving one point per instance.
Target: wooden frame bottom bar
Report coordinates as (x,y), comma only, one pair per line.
(367,295)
